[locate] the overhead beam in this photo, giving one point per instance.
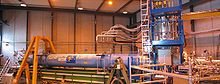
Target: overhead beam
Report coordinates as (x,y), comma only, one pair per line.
(10,7)
(201,15)
(194,3)
(76,4)
(50,3)
(100,6)
(195,15)
(188,4)
(123,6)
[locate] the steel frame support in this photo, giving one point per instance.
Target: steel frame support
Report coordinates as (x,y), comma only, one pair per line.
(34,46)
(115,72)
(95,32)
(27,29)
(113,45)
(75,13)
(1,30)
(100,6)
(167,43)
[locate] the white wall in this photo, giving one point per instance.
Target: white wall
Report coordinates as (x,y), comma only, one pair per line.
(213,4)
(85,36)
(208,41)
(39,23)
(14,33)
(63,32)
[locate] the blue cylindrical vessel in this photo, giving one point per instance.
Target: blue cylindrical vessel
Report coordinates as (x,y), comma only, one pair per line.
(86,60)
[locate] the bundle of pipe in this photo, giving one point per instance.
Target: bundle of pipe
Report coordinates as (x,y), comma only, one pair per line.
(119,33)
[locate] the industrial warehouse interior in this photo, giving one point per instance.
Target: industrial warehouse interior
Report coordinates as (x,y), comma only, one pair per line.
(109,42)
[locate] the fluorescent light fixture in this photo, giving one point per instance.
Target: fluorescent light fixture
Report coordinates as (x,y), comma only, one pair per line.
(80,8)
(125,12)
(23,4)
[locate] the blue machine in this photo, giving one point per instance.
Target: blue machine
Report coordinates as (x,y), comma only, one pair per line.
(166,27)
(87,60)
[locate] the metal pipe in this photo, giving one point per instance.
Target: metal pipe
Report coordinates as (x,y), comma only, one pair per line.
(129,68)
(190,71)
(205,31)
(163,73)
(208,78)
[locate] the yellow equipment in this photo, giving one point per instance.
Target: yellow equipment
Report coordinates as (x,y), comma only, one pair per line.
(33,47)
(115,72)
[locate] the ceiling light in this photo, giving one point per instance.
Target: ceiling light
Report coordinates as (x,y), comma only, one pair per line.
(110,2)
(80,8)
(23,4)
(125,12)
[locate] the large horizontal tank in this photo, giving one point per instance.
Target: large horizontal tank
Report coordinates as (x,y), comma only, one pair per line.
(86,60)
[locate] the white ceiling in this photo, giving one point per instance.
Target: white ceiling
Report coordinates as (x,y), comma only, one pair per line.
(86,4)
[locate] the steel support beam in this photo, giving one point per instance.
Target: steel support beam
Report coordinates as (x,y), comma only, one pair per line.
(113,45)
(188,4)
(200,15)
(193,29)
(52,18)
(10,7)
(50,3)
(74,50)
(123,6)
(1,27)
(76,4)
(95,32)
(100,6)
(27,29)
(194,3)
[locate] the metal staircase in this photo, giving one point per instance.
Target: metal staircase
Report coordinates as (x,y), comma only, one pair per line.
(5,68)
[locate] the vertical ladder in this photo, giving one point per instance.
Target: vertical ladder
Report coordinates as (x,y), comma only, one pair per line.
(145,30)
(5,68)
(145,18)
(144,59)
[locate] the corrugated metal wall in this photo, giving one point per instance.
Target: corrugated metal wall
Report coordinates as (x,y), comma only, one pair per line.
(14,34)
(61,31)
(207,41)
(201,42)
(103,24)
(85,39)
(122,48)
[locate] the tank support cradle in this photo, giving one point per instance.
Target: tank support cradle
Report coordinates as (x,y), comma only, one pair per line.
(115,74)
(33,48)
